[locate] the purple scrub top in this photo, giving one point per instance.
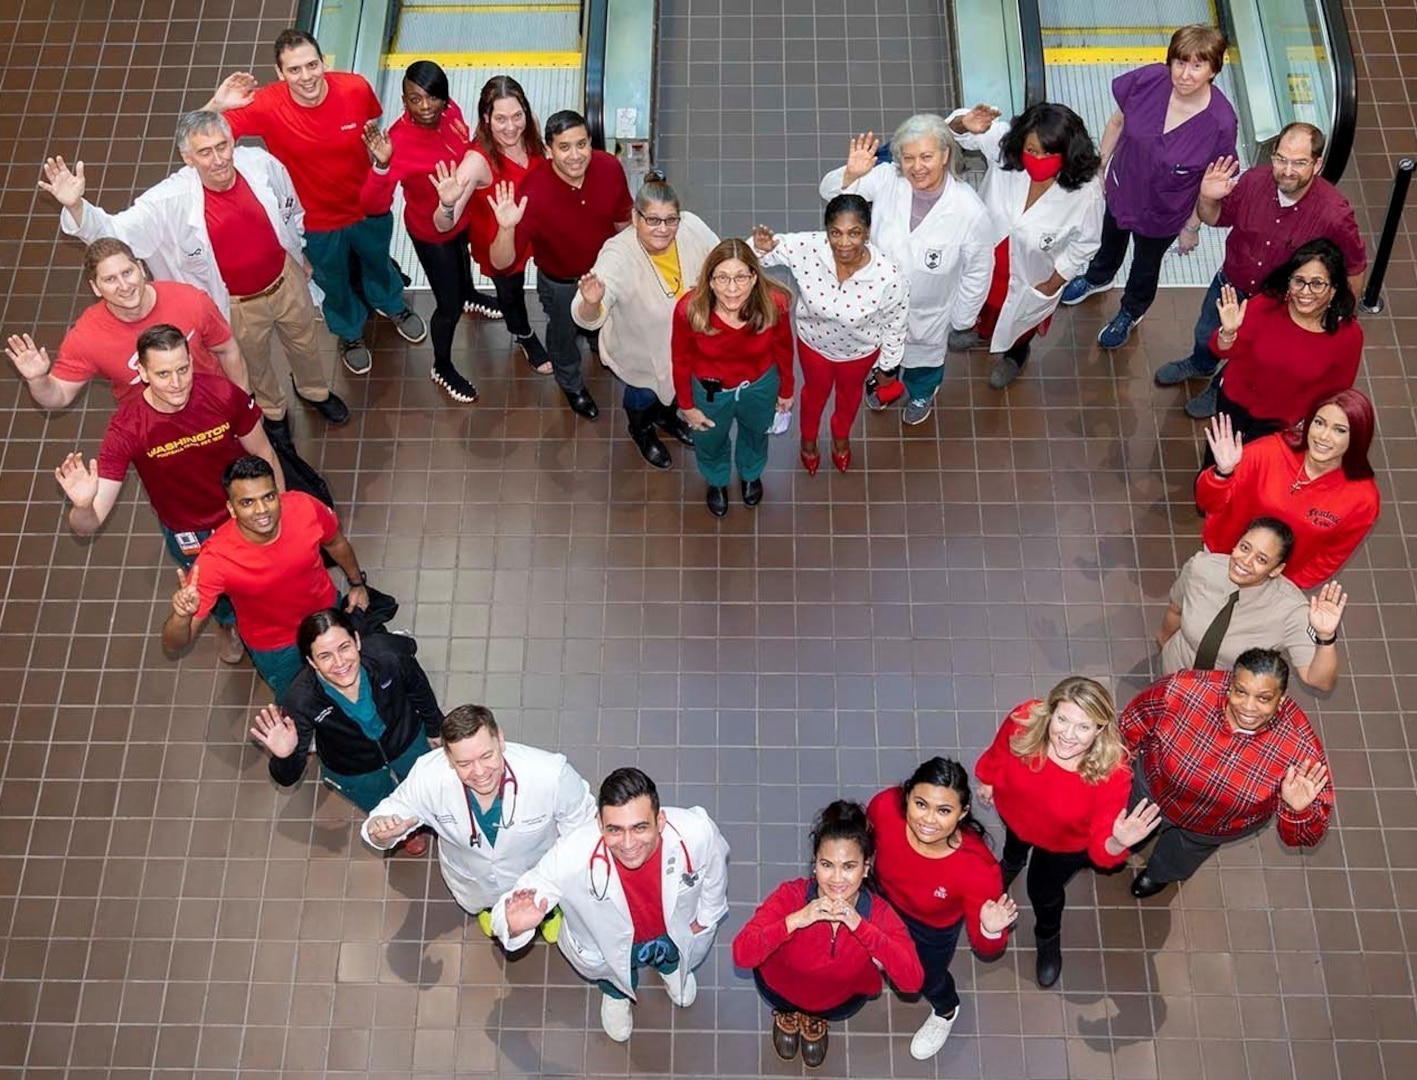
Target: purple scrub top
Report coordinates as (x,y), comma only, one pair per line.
(1153,179)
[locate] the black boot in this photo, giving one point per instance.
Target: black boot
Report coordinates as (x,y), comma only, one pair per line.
(668,420)
(1050,959)
(642,431)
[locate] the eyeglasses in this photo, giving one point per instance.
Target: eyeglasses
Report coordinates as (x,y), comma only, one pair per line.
(732,279)
(1281,162)
(660,222)
(1314,285)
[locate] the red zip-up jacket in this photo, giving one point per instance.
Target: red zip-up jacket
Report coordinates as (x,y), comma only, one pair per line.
(417,151)
(816,971)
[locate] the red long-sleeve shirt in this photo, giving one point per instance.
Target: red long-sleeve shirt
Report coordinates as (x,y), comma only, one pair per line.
(819,971)
(734,355)
(1277,369)
(936,892)
(482,222)
(1210,780)
(1049,806)
(417,151)
(1330,516)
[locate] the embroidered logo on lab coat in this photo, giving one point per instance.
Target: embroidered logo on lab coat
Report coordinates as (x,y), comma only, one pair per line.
(1046,241)
(933,258)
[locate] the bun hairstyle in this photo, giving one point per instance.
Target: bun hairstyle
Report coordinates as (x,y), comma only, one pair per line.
(946,773)
(843,820)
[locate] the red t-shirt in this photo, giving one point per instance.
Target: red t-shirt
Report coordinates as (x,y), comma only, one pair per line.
(272,586)
(321,146)
(245,247)
(567,226)
(1049,806)
(644,892)
(1330,516)
(101,344)
(735,355)
(417,151)
(936,892)
(180,456)
(482,226)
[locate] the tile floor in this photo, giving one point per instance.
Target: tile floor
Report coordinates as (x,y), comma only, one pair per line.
(166,912)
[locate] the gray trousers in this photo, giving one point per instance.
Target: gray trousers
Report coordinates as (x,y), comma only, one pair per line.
(1179,852)
(561,330)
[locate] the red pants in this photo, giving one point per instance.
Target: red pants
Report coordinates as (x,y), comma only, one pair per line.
(820,375)
(994,301)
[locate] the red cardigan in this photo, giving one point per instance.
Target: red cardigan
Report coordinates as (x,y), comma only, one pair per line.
(417,151)
(818,971)
(734,355)
(1330,516)
(1278,369)
(1050,807)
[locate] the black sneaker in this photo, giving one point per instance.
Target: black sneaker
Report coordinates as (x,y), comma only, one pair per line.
(355,356)
(483,306)
(536,355)
(456,387)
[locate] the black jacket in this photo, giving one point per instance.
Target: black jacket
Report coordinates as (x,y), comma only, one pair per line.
(402,698)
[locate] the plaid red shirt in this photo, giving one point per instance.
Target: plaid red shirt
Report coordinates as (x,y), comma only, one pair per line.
(1208,779)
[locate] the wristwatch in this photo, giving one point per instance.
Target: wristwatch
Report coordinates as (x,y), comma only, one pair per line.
(1314,636)
(364,582)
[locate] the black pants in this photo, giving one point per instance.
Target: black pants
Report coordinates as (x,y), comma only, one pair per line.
(847,1009)
(1048,875)
(449,271)
(1179,852)
(936,948)
(511,296)
(1245,423)
(1147,252)
(561,331)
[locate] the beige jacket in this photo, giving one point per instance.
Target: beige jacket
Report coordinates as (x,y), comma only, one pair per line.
(636,314)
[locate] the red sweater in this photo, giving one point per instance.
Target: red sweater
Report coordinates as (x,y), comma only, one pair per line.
(819,971)
(734,355)
(417,151)
(1050,807)
(482,222)
(936,892)
(1278,369)
(1330,516)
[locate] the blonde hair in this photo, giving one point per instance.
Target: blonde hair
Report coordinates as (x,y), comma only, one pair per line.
(1107,750)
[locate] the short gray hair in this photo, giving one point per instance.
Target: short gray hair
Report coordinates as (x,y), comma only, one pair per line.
(197,123)
(928,126)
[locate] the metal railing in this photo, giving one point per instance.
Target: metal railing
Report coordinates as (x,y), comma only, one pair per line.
(595,18)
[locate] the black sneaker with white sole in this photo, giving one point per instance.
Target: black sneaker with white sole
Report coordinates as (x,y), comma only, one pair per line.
(354,354)
(453,384)
(483,306)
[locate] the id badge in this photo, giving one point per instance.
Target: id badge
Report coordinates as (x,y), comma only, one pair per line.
(188,543)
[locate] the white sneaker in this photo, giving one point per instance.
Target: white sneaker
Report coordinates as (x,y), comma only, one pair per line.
(931,1036)
(686,997)
(617,1019)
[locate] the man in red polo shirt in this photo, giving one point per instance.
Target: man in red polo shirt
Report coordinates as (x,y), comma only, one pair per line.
(1221,753)
(566,212)
(267,561)
(1271,211)
(313,121)
(102,340)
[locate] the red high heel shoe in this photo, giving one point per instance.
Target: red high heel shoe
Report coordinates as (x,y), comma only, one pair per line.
(811,461)
(841,459)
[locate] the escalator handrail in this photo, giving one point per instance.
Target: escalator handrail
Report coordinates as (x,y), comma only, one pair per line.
(1030,29)
(596,20)
(1345,92)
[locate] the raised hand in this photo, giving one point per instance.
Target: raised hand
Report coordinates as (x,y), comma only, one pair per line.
(186,599)
(524,912)
(697,419)
(79,481)
(1135,825)
(1225,444)
(235,91)
(1326,609)
(1302,783)
(30,361)
(1232,310)
(386,828)
(984,794)
(978,120)
(1219,178)
(377,141)
(275,731)
(861,157)
(445,180)
(763,239)
(66,187)
(996,916)
(505,205)
(592,289)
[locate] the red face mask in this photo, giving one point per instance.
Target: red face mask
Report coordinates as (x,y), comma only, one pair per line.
(1041,168)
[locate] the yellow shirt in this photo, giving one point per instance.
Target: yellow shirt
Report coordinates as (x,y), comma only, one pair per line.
(667,263)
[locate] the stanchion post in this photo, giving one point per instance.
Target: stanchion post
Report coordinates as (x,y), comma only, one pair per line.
(1372,301)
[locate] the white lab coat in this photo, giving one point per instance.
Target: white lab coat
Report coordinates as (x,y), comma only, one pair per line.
(167,224)
(1060,232)
(948,258)
(597,935)
(552,800)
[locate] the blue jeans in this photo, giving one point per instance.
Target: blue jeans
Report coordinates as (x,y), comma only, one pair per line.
(223,613)
(639,398)
(1209,322)
(936,948)
(368,790)
(659,953)
(328,252)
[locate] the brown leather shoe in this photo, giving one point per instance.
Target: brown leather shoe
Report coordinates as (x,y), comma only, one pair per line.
(814,1040)
(785,1034)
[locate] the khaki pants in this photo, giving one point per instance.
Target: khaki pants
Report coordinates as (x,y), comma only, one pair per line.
(290,313)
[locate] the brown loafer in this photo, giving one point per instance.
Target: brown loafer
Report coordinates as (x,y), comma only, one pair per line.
(814,1040)
(785,1034)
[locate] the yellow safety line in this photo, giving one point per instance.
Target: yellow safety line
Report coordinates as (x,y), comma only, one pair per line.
(394,61)
(464,9)
(1112,54)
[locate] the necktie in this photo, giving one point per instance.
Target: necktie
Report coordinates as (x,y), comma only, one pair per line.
(1209,648)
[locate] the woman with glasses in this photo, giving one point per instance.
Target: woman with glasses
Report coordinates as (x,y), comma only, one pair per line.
(732,352)
(629,296)
(1295,341)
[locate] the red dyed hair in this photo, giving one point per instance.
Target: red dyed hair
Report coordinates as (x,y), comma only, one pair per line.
(1361,424)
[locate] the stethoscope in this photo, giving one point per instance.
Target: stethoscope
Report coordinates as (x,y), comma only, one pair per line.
(600,857)
(509,806)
